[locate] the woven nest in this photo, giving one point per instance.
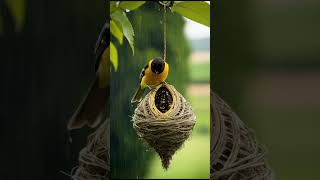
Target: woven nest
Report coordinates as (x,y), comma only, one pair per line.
(164,119)
(94,159)
(235,154)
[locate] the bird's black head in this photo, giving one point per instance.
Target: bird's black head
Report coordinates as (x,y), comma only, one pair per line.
(157,65)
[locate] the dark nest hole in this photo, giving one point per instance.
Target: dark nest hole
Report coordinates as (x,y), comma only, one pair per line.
(163,99)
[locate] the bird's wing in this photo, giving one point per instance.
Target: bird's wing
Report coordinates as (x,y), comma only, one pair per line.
(92,108)
(143,72)
(102,43)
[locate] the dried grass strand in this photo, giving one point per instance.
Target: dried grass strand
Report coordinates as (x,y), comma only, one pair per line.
(94,159)
(235,153)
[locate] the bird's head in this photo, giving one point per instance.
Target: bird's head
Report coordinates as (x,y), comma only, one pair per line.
(157,65)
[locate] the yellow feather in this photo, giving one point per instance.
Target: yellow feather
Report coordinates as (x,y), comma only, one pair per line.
(103,71)
(152,79)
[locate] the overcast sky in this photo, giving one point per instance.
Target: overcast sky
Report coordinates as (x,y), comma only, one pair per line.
(195,30)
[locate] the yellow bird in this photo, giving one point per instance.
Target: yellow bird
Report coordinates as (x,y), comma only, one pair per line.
(93,108)
(154,73)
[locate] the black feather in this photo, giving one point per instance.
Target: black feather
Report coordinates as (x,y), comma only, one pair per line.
(157,65)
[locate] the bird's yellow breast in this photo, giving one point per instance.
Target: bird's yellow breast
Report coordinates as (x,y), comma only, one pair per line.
(104,69)
(152,79)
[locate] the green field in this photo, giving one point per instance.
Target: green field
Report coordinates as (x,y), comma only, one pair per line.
(291,137)
(200,73)
(201,105)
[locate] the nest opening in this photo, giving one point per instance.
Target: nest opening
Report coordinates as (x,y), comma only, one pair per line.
(163,99)
(164,120)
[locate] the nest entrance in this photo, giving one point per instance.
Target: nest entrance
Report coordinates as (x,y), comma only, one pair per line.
(164,119)
(163,99)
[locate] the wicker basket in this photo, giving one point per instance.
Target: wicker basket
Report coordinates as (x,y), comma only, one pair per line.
(235,154)
(164,131)
(94,159)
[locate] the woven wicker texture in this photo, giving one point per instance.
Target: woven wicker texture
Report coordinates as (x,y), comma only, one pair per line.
(235,154)
(94,159)
(165,132)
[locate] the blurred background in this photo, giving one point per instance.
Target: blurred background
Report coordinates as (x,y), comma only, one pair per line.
(46,66)
(267,67)
(188,54)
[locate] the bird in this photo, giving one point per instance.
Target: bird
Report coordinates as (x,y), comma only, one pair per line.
(93,107)
(154,73)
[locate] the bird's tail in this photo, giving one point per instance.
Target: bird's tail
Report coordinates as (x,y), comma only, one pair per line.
(138,95)
(92,109)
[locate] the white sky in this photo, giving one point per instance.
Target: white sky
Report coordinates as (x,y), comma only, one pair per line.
(194,30)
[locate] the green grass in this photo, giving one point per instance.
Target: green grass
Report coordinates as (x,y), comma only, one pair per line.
(200,73)
(201,108)
(191,161)
(291,137)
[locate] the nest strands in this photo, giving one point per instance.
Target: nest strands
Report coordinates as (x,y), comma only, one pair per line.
(164,119)
(235,154)
(94,159)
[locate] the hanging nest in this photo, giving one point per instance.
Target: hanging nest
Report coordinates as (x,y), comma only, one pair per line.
(164,119)
(94,159)
(235,154)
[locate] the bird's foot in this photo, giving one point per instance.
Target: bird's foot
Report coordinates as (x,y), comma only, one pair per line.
(163,83)
(150,87)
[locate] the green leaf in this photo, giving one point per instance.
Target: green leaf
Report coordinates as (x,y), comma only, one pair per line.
(116,31)
(1,26)
(113,6)
(18,11)
(121,19)
(131,5)
(114,56)
(198,11)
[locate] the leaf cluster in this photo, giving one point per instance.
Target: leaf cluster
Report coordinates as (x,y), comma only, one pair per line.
(121,27)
